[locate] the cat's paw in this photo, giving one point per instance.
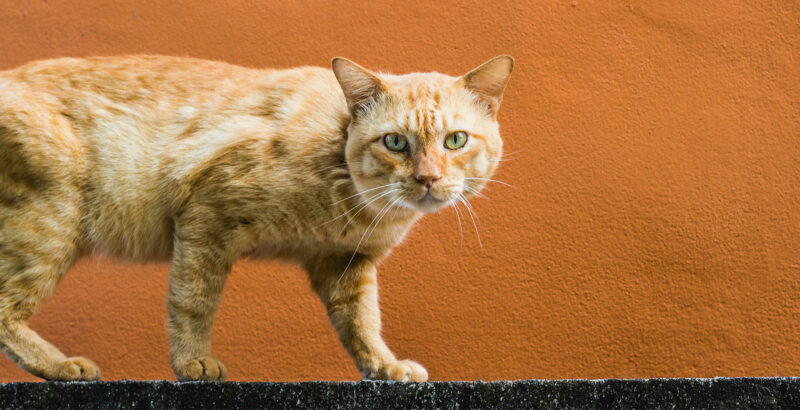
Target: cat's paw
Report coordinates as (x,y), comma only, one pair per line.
(203,368)
(401,371)
(73,368)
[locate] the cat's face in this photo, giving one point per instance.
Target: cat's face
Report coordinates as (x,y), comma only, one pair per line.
(423,141)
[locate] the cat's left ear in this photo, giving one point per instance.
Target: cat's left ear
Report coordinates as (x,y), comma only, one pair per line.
(489,80)
(360,86)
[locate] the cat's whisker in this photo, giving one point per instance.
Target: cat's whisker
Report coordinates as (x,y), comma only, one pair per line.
(472,217)
(512,153)
(470,208)
(458,218)
(381,195)
(366,190)
(397,208)
(358,245)
(503,159)
(393,202)
(474,191)
(490,180)
(363,203)
(506,156)
(396,205)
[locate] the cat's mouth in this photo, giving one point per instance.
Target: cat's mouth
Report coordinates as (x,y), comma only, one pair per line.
(429,202)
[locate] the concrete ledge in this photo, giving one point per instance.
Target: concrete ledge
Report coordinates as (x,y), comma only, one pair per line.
(760,393)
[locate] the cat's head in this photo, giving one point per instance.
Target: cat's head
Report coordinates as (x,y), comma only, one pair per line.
(423,140)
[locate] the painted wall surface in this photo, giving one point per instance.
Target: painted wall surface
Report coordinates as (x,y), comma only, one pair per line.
(653,229)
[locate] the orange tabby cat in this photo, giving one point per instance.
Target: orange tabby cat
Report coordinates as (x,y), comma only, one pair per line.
(150,158)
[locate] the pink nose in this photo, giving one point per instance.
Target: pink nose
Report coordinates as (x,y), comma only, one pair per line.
(428,180)
(427,170)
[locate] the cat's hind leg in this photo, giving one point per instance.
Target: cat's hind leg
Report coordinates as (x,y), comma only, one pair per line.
(38,243)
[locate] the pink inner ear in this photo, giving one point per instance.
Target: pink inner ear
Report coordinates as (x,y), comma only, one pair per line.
(360,86)
(489,80)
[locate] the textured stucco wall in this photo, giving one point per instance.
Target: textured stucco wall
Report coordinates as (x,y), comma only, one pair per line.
(654,229)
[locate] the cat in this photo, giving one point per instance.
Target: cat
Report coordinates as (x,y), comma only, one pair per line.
(201,162)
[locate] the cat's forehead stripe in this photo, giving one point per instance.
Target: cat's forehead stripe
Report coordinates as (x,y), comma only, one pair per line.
(426,122)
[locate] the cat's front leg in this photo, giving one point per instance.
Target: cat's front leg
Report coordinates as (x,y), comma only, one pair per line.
(200,265)
(352,303)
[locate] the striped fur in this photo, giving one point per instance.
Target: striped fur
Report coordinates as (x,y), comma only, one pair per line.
(200,162)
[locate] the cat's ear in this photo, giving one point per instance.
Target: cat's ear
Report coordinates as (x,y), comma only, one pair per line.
(489,80)
(360,86)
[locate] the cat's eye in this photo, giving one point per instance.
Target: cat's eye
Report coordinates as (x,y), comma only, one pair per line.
(395,142)
(456,140)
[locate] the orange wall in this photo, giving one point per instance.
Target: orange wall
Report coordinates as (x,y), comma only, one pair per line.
(654,229)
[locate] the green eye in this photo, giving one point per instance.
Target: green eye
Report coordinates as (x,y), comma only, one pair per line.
(395,142)
(456,140)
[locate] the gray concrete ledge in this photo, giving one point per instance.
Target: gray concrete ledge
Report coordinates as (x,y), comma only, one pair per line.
(719,393)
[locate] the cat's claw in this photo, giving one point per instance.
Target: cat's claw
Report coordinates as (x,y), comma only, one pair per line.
(203,368)
(401,371)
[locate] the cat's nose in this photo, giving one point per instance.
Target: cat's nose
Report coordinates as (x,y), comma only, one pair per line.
(428,180)
(427,170)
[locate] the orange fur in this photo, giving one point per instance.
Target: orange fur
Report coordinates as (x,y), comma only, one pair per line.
(148,158)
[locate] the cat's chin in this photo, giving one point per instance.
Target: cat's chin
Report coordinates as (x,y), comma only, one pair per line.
(430,203)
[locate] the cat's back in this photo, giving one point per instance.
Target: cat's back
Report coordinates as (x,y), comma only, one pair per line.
(141,78)
(58,112)
(126,131)
(158,93)
(149,100)
(74,97)
(115,75)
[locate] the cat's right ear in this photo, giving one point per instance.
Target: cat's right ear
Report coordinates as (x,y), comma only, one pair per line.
(360,86)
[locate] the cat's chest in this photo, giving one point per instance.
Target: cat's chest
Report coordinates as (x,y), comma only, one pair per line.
(370,239)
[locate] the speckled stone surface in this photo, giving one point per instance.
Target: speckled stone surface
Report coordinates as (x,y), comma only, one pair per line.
(720,393)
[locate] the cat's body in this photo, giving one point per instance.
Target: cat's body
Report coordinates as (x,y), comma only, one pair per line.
(155,157)
(138,149)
